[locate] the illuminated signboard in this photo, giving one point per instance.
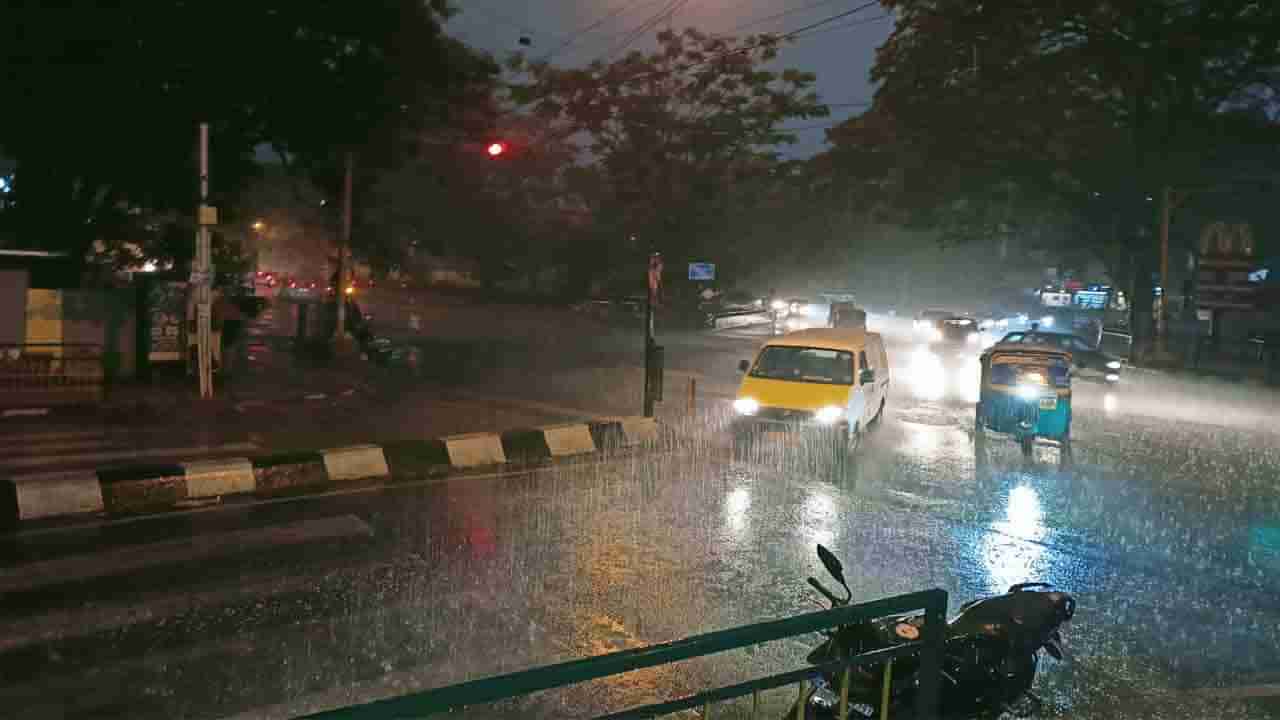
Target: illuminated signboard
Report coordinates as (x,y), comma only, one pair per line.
(1091,299)
(1055,299)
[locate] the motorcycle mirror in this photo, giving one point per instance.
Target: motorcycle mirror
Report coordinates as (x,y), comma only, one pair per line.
(1054,649)
(832,564)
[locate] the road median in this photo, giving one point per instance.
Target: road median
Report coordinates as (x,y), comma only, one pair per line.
(30,500)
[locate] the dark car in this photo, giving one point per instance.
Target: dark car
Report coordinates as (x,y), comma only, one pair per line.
(1087,361)
(957,330)
(927,324)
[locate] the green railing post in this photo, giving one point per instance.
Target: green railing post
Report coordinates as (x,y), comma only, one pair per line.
(844,694)
(801,701)
(886,690)
(935,629)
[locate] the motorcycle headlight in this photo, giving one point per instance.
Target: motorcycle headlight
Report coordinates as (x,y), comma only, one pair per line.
(1113,365)
(829,414)
(746,406)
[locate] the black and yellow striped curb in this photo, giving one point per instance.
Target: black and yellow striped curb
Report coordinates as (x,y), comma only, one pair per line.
(137,489)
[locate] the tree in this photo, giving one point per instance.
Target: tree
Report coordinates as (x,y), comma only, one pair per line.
(102,102)
(1018,114)
(675,134)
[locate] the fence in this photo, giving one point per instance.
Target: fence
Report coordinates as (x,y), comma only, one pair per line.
(504,687)
(51,374)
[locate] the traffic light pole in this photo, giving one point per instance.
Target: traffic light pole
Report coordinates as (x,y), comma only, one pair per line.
(340,286)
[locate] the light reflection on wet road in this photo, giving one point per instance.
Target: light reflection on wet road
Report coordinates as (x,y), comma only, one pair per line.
(1165,532)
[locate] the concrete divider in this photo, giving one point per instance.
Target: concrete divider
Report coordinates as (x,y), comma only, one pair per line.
(475,450)
(567,440)
(214,478)
(55,494)
(158,488)
(356,462)
(637,430)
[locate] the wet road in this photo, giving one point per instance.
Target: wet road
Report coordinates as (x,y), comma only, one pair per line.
(1166,530)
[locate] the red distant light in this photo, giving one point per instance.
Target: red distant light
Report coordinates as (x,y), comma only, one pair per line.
(496,149)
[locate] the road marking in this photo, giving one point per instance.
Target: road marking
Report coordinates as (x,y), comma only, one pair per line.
(26,412)
(560,410)
(1240,692)
(131,558)
(149,453)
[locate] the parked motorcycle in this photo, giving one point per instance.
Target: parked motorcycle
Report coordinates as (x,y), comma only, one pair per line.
(990,653)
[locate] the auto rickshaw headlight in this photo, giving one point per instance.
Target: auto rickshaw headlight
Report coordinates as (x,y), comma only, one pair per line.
(1027,391)
(746,406)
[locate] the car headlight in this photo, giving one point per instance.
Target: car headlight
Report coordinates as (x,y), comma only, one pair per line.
(746,406)
(829,414)
(1113,365)
(1047,321)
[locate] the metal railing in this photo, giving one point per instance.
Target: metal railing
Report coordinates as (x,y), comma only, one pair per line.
(51,373)
(929,646)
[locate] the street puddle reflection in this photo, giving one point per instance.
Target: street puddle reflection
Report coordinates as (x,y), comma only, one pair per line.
(820,517)
(736,506)
(1007,558)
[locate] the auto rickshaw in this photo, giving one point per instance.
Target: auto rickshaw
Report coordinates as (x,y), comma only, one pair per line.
(1026,393)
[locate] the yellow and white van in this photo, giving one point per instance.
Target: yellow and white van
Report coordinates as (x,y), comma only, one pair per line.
(825,380)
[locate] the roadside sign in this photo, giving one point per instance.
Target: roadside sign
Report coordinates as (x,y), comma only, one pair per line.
(702,271)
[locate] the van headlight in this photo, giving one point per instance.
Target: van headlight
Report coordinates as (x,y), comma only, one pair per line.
(1113,365)
(829,415)
(746,406)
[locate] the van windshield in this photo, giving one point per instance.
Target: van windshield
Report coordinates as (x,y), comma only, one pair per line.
(801,364)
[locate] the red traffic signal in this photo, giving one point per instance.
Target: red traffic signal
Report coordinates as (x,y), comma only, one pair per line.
(496,148)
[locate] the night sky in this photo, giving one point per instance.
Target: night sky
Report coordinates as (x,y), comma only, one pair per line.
(841,54)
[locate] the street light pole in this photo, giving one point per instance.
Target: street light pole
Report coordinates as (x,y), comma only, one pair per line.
(203,275)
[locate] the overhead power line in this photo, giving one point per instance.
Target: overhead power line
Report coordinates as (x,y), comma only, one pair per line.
(779,15)
(577,35)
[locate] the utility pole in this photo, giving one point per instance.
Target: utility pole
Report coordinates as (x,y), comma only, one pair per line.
(202,277)
(344,242)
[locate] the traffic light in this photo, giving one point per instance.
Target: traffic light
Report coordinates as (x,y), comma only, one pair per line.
(496,148)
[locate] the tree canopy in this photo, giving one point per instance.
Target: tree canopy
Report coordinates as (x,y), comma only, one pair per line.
(675,136)
(993,116)
(102,101)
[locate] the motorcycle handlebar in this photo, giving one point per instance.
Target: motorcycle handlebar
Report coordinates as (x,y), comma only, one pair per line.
(825,592)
